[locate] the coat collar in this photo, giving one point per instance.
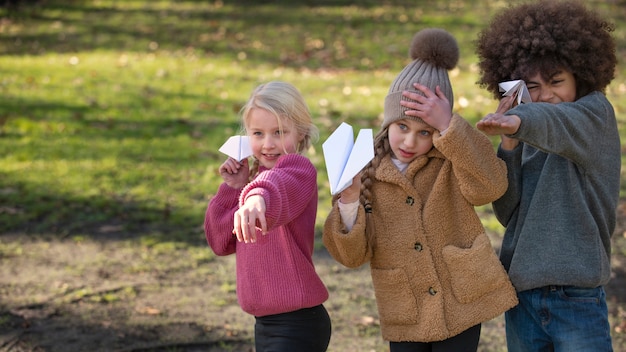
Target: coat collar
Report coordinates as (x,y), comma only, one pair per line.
(388,172)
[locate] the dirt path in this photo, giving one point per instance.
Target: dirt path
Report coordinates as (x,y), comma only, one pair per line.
(90,295)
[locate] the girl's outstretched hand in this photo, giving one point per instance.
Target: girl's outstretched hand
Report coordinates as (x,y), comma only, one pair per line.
(235,174)
(248,217)
(433,108)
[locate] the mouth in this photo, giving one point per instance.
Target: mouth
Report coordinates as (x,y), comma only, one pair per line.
(271,156)
(405,154)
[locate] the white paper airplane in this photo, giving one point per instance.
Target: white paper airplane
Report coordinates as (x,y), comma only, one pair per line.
(346,157)
(237,147)
(517,87)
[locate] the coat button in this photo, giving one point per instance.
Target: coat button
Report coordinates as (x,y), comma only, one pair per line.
(418,246)
(432,291)
(410,201)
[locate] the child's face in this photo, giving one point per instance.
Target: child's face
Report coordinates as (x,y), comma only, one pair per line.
(267,140)
(560,88)
(409,139)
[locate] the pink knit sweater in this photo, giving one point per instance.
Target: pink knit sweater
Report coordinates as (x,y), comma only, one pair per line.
(276,274)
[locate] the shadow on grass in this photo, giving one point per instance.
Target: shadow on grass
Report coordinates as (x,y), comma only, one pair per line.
(99,218)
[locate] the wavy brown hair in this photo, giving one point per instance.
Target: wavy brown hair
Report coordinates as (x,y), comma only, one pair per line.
(544,37)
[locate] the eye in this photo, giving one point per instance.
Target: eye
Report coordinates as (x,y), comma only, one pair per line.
(425,133)
(403,127)
(257,133)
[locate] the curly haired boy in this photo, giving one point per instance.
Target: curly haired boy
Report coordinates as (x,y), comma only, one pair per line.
(562,153)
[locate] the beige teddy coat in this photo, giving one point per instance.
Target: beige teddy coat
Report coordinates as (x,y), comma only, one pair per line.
(434,271)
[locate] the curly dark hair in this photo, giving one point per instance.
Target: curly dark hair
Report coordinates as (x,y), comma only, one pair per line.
(544,37)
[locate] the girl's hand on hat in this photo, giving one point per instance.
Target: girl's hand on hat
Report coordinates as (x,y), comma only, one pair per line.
(235,174)
(432,107)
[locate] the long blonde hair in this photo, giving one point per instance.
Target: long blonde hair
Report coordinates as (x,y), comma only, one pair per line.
(284,101)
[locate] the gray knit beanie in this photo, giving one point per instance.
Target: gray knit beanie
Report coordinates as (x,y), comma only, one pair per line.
(434,51)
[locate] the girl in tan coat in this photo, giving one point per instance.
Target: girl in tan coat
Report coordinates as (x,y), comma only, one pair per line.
(411,215)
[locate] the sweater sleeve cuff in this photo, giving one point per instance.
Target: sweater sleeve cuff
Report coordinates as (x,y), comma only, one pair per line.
(227,196)
(255,192)
(348,213)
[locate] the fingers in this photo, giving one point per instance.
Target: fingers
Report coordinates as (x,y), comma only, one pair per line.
(244,227)
(415,100)
(246,219)
(231,166)
(262,223)
(441,95)
(496,123)
(237,222)
(352,193)
(428,98)
(505,104)
(488,123)
(427,92)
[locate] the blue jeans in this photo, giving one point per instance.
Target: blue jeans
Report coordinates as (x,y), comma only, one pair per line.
(560,319)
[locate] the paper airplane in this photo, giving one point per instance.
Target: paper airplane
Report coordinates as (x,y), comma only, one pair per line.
(518,88)
(237,147)
(346,157)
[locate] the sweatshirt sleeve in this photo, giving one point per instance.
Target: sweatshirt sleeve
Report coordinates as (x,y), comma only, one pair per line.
(218,220)
(505,206)
(482,175)
(576,131)
(287,189)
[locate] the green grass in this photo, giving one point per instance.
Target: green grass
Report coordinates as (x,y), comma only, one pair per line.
(111,112)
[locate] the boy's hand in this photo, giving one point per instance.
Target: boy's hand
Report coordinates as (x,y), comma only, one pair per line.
(247,217)
(498,123)
(433,108)
(234,173)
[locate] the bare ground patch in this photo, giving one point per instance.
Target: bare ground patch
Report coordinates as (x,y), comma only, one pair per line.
(93,295)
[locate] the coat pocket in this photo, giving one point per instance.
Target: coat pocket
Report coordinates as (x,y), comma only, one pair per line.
(395,299)
(475,271)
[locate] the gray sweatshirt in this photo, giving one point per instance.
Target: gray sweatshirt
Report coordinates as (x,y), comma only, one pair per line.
(560,206)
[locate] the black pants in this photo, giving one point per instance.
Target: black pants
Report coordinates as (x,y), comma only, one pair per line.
(305,330)
(467,341)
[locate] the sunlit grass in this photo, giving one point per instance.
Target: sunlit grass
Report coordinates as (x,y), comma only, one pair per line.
(111,112)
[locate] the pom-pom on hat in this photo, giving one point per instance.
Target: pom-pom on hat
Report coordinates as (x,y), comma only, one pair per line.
(434,51)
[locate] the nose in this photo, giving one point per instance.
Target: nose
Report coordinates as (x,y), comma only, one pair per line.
(545,95)
(410,141)
(268,142)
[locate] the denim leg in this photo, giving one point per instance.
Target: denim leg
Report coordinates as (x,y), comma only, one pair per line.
(524,324)
(559,319)
(579,320)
